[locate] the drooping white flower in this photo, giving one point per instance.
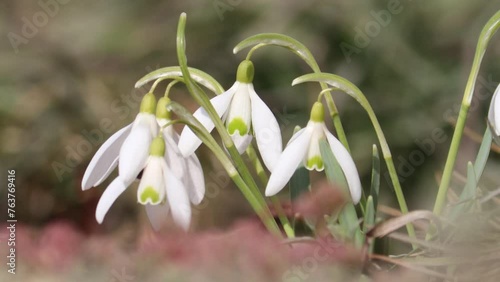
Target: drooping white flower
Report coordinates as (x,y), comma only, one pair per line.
(188,169)
(494,115)
(166,171)
(304,148)
(243,111)
(128,148)
(161,190)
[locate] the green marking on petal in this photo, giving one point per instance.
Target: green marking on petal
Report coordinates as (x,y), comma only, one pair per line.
(315,162)
(318,112)
(237,124)
(149,193)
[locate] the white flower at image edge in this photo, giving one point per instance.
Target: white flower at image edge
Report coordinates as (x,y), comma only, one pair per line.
(242,110)
(494,115)
(304,148)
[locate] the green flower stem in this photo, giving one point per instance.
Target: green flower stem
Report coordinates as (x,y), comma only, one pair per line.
(261,210)
(347,87)
(201,98)
(259,169)
(303,52)
(486,34)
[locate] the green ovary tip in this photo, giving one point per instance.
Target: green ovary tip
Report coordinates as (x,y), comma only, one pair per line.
(161,108)
(318,112)
(245,72)
(239,125)
(148,104)
(157,147)
(149,193)
(315,162)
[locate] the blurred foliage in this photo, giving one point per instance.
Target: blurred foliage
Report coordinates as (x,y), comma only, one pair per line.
(73,78)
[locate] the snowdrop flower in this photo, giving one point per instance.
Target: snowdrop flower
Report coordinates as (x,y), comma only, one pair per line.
(304,147)
(242,110)
(494,115)
(160,189)
(129,150)
(188,169)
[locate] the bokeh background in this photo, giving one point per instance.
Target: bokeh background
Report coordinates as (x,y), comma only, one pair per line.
(67,83)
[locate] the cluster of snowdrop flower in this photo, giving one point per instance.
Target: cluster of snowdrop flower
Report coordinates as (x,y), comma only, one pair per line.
(149,145)
(172,176)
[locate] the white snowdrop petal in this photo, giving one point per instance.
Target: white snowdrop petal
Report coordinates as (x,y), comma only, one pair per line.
(267,131)
(241,142)
(173,156)
(178,199)
(112,192)
(347,164)
(494,112)
(134,152)
(152,186)
(189,142)
(194,180)
(105,159)
(157,214)
(239,114)
(288,162)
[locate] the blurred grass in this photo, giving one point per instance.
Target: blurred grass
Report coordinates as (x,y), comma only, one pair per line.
(73,74)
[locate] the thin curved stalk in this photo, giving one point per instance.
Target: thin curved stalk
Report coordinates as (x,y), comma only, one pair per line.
(487,33)
(353,91)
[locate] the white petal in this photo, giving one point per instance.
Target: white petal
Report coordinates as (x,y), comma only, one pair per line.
(241,142)
(494,112)
(267,131)
(157,214)
(134,152)
(112,192)
(194,180)
(105,159)
(288,162)
(173,156)
(178,199)
(347,164)
(314,150)
(152,182)
(240,111)
(189,142)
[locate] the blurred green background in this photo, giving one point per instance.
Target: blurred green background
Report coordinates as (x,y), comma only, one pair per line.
(68,69)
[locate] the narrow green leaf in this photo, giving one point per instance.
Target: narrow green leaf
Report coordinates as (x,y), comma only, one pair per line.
(466,197)
(375,182)
(199,76)
(299,183)
(333,170)
(279,40)
(483,154)
(348,218)
(369,220)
